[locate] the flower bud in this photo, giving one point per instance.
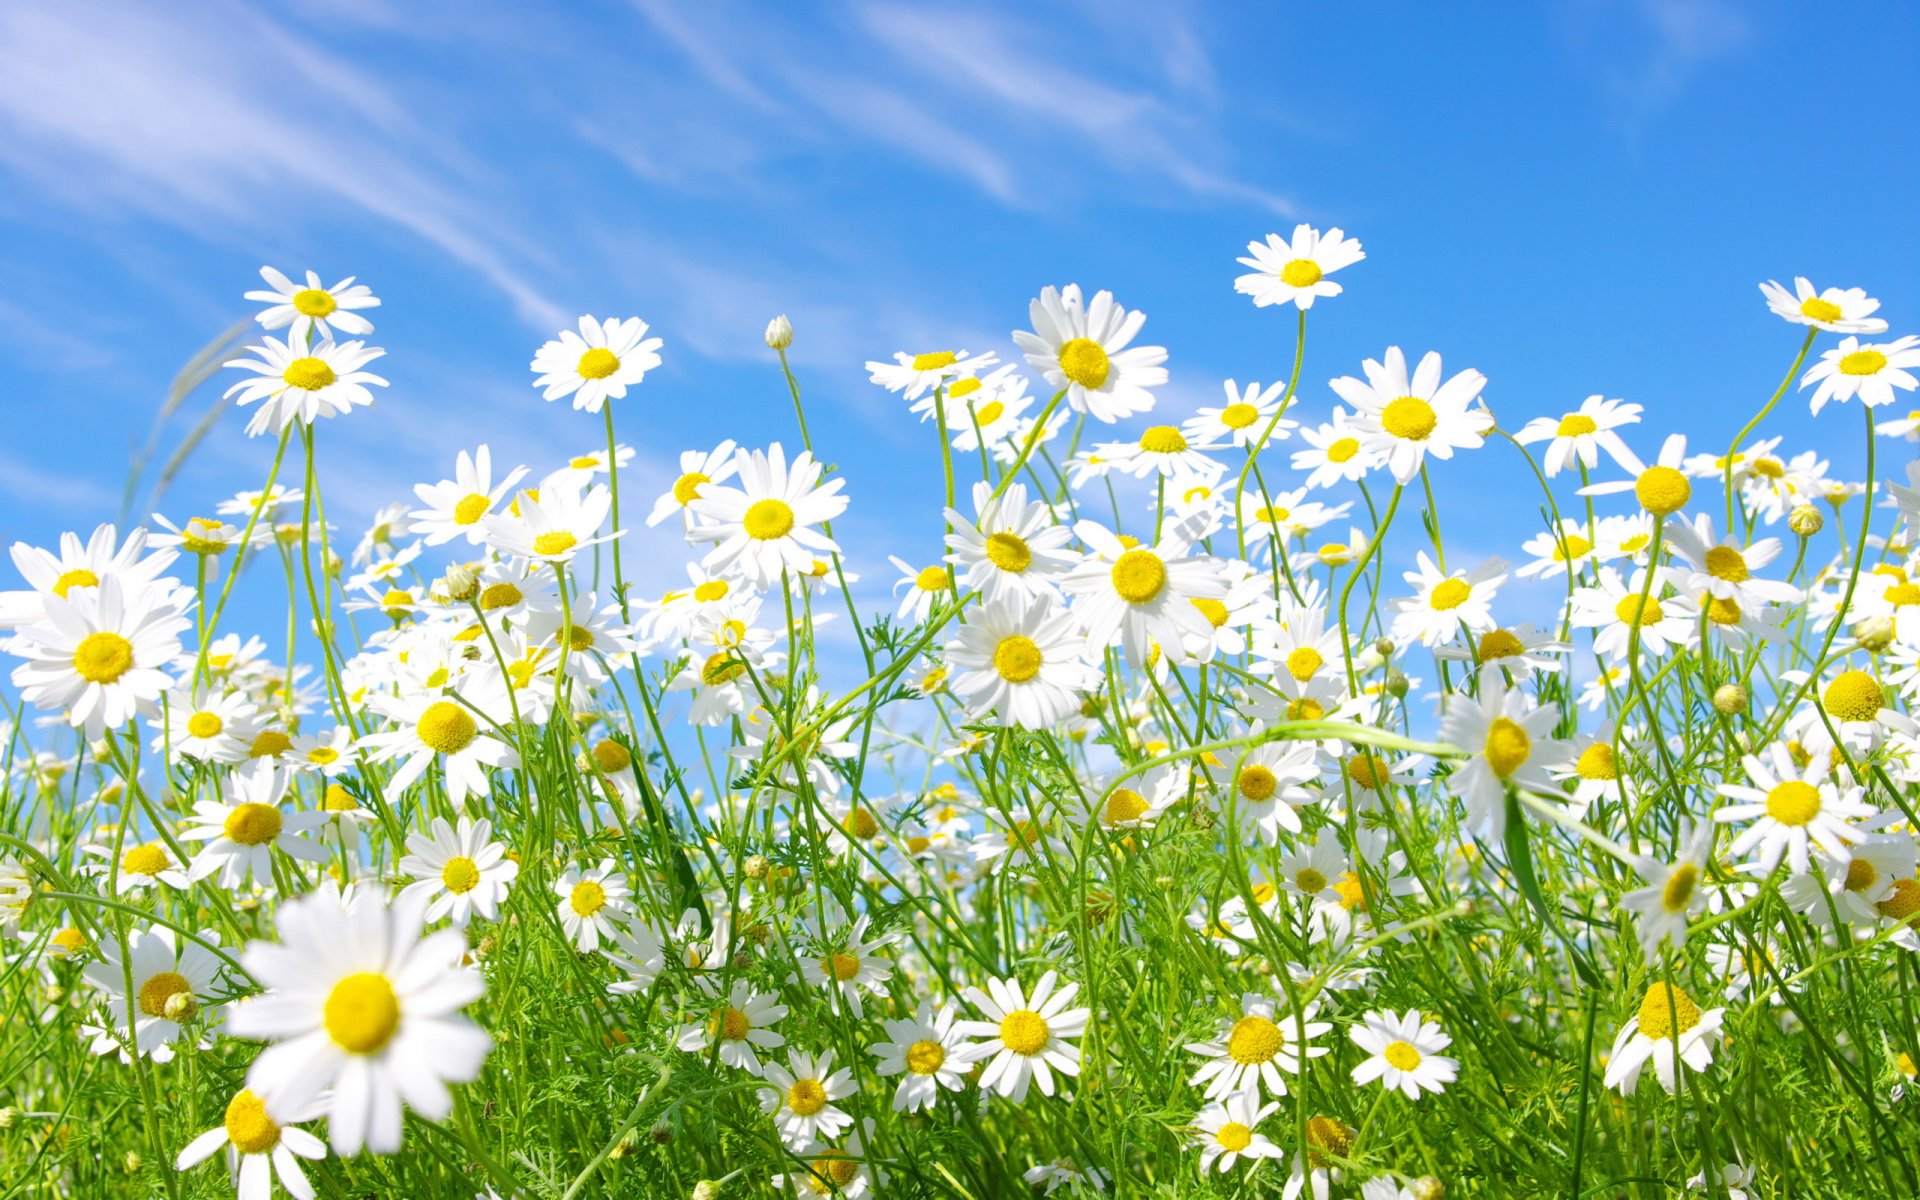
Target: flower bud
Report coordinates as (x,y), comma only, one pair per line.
(1806,520)
(758,867)
(661,1134)
(460,583)
(706,1189)
(1383,647)
(8,1116)
(132,1162)
(181,1007)
(1427,1188)
(1730,699)
(779,333)
(1875,633)
(1397,685)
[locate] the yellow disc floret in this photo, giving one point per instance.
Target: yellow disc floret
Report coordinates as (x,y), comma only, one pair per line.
(362,1013)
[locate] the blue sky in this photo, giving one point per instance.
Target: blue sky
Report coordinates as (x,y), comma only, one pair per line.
(1573,197)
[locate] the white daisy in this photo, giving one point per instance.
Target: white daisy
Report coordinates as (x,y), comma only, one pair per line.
(1026,1036)
(801,1098)
(1447,603)
(1509,742)
(592,904)
(171,981)
(928,1051)
(100,654)
(1296,272)
(1245,417)
(258,1147)
(1139,595)
(914,375)
(243,829)
(1404,418)
(1272,784)
(304,384)
(1253,1050)
(455,507)
(1023,661)
(429,725)
(697,469)
(461,867)
(553,526)
(1617,608)
(764,527)
(1668,1025)
(1791,807)
(740,1025)
(1580,436)
(1870,372)
(1082,350)
(1836,310)
(597,364)
(1334,453)
(314,309)
(1012,549)
(1403,1052)
(1226,1131)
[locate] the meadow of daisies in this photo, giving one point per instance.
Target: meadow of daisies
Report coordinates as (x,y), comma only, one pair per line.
(1156,838)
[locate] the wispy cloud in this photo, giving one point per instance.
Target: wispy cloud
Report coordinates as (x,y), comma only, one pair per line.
(1659,46)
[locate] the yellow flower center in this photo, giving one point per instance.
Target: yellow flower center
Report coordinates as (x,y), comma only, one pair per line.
(1125,805)
(1084,361)
(721,668)
(204,725)
(362,1013)
(149,859)
(583,462)
(1327,1136)
(1854,696)
(1667,1012)
(1254,1040)
(78,577)
(339,799)
(1025,1032)
(966,387)
(1409,418)
(806,1097)
(1401,1055)
(252,824)
(1369,771)
(1499,643)
(471,508)
(1903,904)
(249,1127)
(1571,546)
(933,579)
(612,756)
(767,520)
(308,374)
(1631,610)
(1214,611)
(446,727)
(1309,880)
(159,989)
(461,875)
(686,489)
(1576,425)
(500,595)
(587,898)
(1017,659)
(842,967)
(1306,708)
(1723,612)
(924,1058)
(731,1024)
(1861,875)
(1507,746)
(989,412)
(934,361)
(103,657)
(555,541)
(1724,562)
(1450,594)
(1793,803)
(1300,273)
(1863,362)
(313,302)
(1162,439)
(270,743)
(1342,449)
(1139,576)
(1234,1137)
(1596,762)
(1303,663)
(1257,783)
(1353,896)
(1239,416)
(1816,309)
(597,363)
(1662,490)
(862,824)
(1903,595)
(1678,892)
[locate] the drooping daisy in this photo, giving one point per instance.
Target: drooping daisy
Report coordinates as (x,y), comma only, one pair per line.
(1404,1053)
(637,950)
(928,1051)
(1668,1025)
(242,829)
(697,470)
(431,726)
(313,309)
(1792,806)
(1334,453)
(1836,310)
(1517,650)
(597,364)
(1065,1173)
(258,1148)
(1405,418)
(1083,349)
(1509,742)
(100,654)
(461,867)
(1139,595)
(1026,1036)
(1580,436)
(1022,660)
(801,1100)
(304,383)
(1869,371)
(553,526)
(171,981)
(455,507)
(1251,1051)
(1012,549)
(742,1023)
(1447,603)
(764,527)
(1295,272)
(1227,1131)
(1243,420)
(592,904)
(362,1006)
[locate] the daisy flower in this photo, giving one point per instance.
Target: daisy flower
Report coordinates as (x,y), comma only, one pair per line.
(168,976)
(598,363)
(1668,1025)
(914,375)
(1403,418)
(1024,662)
(990,411)
(1271,785)
(697,470)
(142,865)
(1296,272)
(1403,1052)
(1065,1173)
(100,654)
(1517,650)
(740,1025)
(1790,807)
(924,586)
(1555,553)
(636,949)
(851,965)
(1225,1132)
(1138,802)
(429,726)
(1661,488)
(1334,453)
(553,526)
(455,507)
(1580,436)
(1836,310)
(461,868)
(928,1051)
(313,309)
(362,1007)
(243,829)
(1509,742)
(764,527)
(1162,450)
(1012,549)
(1723,570)
(1617,609)
(1246,416)
(592,904)
(1027,1037)
(304,384)
(1870,372)
(802,1096)
(1252,1050)
(82,565)
(212,729)
(258,1148)
(1447,603)
(1082,350)
(1140,595)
